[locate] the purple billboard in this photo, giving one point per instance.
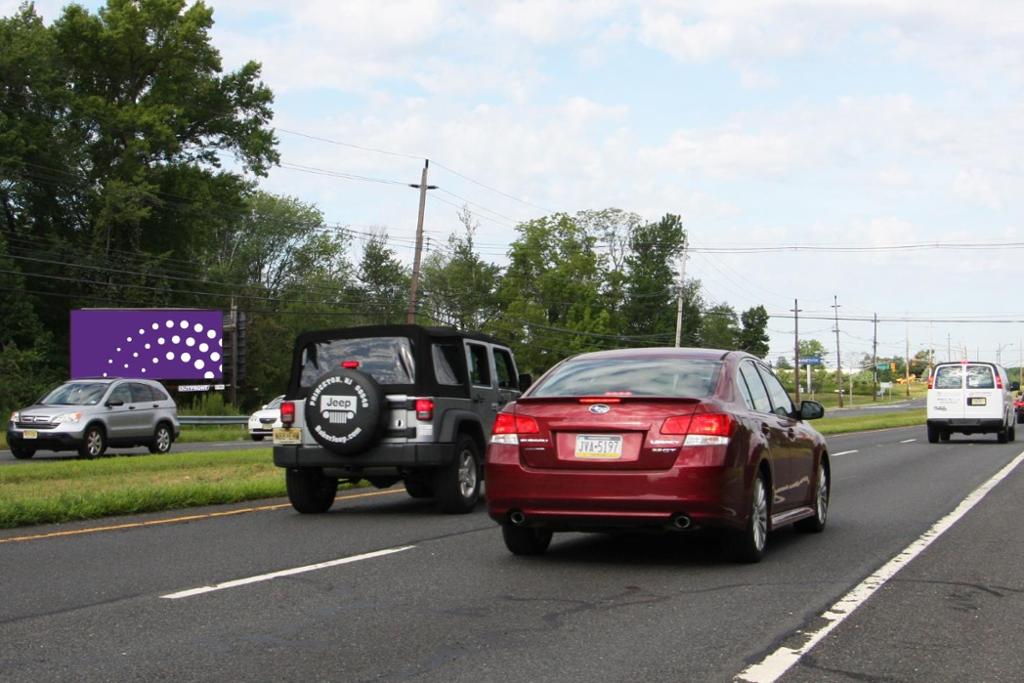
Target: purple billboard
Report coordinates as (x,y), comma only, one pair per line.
(155,343)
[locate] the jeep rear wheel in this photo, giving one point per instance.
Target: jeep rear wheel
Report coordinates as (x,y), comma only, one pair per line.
(457,486)
(310,491)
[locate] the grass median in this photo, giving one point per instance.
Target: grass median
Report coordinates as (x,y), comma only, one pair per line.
(47,492)
(864,423)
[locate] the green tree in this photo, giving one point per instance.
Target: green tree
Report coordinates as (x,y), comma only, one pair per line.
(719,328)
(113,129)
(812,348)
(651,285)
(382,286)
(550,295)
(753,338)
(459,288)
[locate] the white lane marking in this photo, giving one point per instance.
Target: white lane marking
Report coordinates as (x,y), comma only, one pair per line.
(284,572)
(836,455)
(908,441)
(772,667)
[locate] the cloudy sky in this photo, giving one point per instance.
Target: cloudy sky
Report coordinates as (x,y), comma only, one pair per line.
(848,124)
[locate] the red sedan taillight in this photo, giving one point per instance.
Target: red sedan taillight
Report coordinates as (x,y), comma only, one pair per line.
(508,427)
(701,429)
(287,413)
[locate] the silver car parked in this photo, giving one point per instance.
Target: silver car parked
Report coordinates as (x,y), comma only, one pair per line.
(88,415)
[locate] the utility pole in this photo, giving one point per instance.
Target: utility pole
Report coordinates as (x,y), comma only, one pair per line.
(874,362)
(839,359)
(949,347)
(234,352)
(679,300)
(796,350)
(1020,361)
(906,369)
(410,316)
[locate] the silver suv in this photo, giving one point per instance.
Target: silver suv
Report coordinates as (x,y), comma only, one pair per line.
(88,415)
(392,403)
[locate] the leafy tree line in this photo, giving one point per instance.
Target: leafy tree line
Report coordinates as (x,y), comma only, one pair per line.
(118,132)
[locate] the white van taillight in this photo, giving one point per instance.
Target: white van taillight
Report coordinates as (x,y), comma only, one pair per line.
(424,409)
(999,380)
(931,381)
(287,413)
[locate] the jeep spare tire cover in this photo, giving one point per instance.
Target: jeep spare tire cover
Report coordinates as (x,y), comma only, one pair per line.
(344,411)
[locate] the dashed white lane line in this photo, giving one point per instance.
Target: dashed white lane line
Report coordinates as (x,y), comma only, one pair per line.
(908,441)
(836,455)
(772,667)
(284,572)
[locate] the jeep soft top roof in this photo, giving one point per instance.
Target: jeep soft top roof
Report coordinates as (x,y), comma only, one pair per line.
(421,338)
(414,332)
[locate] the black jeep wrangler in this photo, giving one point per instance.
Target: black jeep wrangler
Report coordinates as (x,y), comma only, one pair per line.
(392,403)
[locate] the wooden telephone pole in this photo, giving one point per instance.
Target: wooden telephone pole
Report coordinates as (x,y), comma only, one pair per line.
(839,362)
(410,315)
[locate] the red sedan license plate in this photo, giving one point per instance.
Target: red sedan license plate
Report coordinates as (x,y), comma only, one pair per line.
(598,447)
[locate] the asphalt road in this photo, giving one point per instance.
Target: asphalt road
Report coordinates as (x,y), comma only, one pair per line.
(7,459)
(446,602)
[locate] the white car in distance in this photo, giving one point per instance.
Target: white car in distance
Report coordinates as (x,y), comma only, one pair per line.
(264,420)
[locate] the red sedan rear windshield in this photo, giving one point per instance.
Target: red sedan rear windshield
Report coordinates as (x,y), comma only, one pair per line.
(669,377)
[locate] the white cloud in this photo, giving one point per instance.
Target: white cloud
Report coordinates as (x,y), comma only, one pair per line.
(973,186)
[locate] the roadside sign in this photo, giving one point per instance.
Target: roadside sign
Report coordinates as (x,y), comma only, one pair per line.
(810,361)
(881,366)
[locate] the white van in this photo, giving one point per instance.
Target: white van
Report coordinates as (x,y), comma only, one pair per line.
(970,397)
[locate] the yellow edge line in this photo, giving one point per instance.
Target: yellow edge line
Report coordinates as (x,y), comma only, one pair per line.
(174,520)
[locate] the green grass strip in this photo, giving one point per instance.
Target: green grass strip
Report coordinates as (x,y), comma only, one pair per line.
(863,423)
(47,492)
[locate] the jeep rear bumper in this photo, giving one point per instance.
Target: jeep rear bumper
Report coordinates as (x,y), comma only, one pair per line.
(384,455)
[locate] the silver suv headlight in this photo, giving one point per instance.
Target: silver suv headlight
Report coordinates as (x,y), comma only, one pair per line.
(15,416)
(67,417)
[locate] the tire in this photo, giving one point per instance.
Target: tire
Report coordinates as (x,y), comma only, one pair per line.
(457,486)
(94,443)
(162,439)
(944,436)
(345,411)
(524,540)
(257,437)
(1020,418)
(933,434)
(310,491)
(748,545)
(418,488)
(822,492)
(22,452)
(1011,433)
(1002,435)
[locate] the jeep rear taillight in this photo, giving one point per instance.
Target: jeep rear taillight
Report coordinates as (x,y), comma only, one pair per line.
(287,413)
(424,409)
(350,364)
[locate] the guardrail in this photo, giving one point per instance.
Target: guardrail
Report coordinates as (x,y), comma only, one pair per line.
(213,419)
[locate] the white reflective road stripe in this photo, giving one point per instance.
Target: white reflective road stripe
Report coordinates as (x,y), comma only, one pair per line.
(284,572)
(772,667)
(836,455)
(908,440)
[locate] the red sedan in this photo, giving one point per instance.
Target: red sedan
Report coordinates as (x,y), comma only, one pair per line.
(672,439)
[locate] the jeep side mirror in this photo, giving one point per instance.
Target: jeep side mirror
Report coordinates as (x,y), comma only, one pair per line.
(114,404)
(811,410)
(1015,386)
(525,380)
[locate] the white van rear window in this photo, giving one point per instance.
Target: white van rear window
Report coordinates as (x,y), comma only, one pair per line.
(980,377)
(949,377)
